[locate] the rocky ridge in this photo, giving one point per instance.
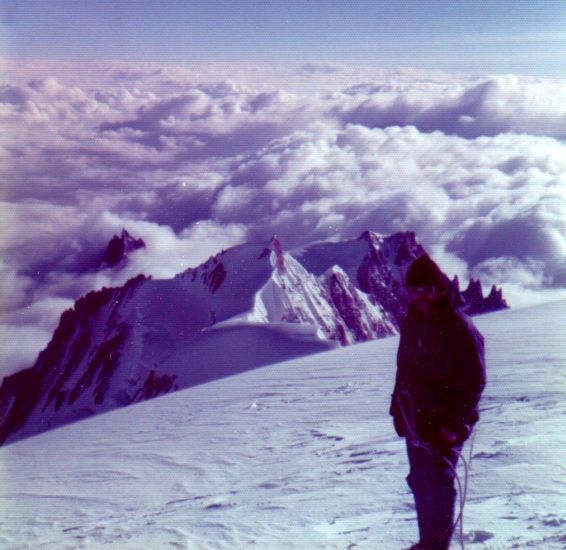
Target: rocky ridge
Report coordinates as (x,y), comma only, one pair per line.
(248,306)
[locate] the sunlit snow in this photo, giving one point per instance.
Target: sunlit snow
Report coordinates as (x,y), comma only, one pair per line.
(301,454)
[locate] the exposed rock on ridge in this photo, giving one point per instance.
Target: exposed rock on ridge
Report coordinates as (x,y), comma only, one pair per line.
(248,306)
(474,302)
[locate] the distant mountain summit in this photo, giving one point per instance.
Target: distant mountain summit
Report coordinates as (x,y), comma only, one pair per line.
(474,302)
(374,263)
(248,306)
(119,247)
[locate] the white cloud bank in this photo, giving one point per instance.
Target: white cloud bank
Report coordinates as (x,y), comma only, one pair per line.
(193,163)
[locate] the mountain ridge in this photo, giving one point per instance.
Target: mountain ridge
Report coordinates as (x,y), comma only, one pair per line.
(117,346)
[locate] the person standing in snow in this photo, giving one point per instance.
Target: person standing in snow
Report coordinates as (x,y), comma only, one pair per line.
(439,381)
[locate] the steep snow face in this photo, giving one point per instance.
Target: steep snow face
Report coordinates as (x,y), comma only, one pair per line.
(111,348)
(76,368)
(363,319)
(330,302)
(375,264)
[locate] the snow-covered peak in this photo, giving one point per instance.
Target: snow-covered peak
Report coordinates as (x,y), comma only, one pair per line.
(122,345)
(375,264)
(372,238)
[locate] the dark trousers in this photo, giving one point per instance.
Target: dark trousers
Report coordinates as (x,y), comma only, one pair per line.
(431,480)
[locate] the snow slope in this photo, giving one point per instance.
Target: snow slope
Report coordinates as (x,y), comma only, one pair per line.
(299,454)
(123,345)
(248,306)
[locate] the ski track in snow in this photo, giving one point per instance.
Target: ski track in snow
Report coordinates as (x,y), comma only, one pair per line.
(298,455)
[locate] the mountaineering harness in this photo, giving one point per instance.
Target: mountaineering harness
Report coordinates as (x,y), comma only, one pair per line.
(417,442)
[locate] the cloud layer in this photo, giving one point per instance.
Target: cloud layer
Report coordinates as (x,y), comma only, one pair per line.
(193,163)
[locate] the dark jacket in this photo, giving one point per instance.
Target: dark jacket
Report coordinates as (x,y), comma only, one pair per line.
(440,375)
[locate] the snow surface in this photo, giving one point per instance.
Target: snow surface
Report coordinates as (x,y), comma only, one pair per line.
(149,337)
(300,454)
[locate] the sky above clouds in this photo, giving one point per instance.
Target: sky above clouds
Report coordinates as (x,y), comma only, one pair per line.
(199,125)
(519,36)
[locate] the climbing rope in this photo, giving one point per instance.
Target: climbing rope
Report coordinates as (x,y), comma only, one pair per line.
(418,442)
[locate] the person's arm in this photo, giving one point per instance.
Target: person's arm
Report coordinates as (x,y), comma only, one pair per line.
(400,377)
(468,385)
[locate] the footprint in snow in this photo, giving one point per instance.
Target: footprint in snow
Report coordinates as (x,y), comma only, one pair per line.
(219,506)
(269,485)
(551,520)
(477,536)
(326,436)
(484,454)
(350,387)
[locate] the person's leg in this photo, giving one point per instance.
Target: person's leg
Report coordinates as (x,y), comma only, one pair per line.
(418,482)
(431,480)
(442,482)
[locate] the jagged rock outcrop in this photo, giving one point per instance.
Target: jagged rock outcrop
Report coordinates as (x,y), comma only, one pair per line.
(119,247)
(355,309)
(375,264)
(382,271)
(473,301)
(70,365)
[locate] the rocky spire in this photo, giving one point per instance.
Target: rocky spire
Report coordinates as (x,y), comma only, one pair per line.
(119,247)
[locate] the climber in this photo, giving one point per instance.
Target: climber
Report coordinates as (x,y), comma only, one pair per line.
(439,381)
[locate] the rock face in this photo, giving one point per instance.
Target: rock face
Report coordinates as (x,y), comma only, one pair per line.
(474,302)
(374,264)
(119,247)
(81,358)
(382,271)
(248,306)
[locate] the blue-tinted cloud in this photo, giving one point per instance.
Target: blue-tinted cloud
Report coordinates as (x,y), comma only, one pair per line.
(486,108)
(477,168)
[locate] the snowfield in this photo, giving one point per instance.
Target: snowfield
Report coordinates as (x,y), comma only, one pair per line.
(300,454)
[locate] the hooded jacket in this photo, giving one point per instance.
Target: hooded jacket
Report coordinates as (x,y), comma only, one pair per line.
(440,374)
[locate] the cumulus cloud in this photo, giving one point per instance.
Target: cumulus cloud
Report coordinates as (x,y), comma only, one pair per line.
(192,162)
(486,108)
(537,232)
